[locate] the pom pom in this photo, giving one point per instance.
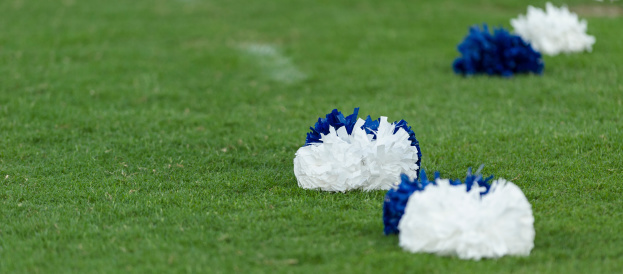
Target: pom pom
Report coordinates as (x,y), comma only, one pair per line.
(472,221)
(346,153)
(554,30)
(499,54)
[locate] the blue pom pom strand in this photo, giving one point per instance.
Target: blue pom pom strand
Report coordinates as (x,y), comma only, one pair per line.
(371,126)
(499,54)
(477,179)
(396,199)
(334,119)
(414,142)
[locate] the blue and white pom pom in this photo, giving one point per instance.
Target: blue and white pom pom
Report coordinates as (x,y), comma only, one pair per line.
(553,31)
(499,54)
(471,220)
(347,153)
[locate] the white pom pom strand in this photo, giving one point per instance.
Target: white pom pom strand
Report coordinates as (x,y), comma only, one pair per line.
(444,219)
(345,162)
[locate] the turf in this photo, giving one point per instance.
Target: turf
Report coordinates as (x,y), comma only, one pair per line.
(145,136)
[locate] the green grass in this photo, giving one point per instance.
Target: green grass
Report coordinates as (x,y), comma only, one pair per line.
(139,136)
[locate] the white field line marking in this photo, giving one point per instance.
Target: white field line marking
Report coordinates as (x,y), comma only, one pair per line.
(278,67)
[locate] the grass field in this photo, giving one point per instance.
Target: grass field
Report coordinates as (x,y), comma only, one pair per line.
(153,136)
